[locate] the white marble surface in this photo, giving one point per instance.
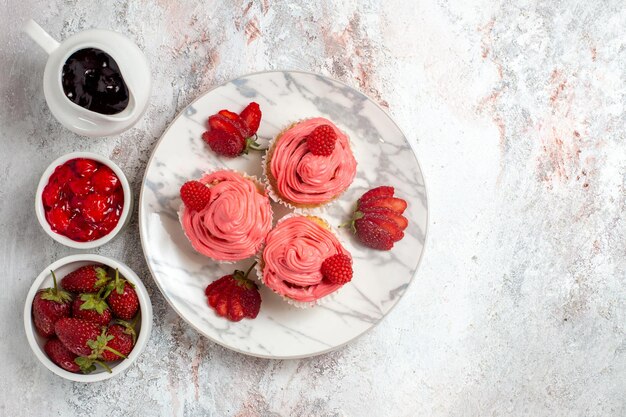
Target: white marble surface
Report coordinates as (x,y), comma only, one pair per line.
(517,111)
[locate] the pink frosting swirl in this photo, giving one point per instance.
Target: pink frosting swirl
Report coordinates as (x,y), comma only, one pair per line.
(304,178)
(293,256)
(234,223)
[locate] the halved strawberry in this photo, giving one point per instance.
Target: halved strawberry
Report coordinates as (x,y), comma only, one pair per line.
(395,204)
(378,192)
(229,114)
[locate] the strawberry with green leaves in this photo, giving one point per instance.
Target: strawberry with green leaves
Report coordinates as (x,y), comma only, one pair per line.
(49,306)
(123,299)
(86,339)
(92,307)
(87,279)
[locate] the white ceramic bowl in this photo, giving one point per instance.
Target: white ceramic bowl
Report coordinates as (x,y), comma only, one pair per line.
(63,267)
(126,209)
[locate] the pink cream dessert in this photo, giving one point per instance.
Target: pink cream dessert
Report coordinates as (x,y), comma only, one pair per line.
(234,222)
(292,258)
(301,179)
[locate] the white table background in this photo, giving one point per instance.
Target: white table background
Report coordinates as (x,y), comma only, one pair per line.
(517,111)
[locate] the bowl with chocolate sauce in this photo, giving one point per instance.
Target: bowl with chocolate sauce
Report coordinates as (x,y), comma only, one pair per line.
(96,82)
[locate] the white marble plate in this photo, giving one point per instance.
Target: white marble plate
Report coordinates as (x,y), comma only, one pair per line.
(384,157)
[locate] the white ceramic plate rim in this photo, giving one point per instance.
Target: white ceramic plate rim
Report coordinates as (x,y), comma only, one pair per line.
(142,338)
(143,243)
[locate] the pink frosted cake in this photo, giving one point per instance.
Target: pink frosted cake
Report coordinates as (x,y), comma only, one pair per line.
(291,261)
(234,220)
(302,178)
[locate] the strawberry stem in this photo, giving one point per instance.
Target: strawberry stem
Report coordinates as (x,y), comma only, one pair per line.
(54,279)
(249,269)
(110,349)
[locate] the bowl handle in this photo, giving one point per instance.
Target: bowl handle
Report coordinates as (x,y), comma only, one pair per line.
(47,42)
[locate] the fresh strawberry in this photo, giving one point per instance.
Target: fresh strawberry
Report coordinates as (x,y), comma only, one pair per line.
(225,124)
(229,115)
(123,299)
(387,225)
(391,215)
(86,279)
(395,204)
(123,341)
(378,221)
(371,235)
(85,338)
(251,117)
(224,143)
(378,192)
(59,219)
(234,296)
(321,141)
(49,306)
(337,269)
(195,195)
(104,180)
(91,307)
(84,167)
(60,355)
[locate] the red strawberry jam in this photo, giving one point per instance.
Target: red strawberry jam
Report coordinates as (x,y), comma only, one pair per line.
(83,200)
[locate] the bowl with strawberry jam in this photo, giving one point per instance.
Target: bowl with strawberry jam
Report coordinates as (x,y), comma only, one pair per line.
(83,200)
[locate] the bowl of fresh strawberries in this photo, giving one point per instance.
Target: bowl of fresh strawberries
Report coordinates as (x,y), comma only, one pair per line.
(87,317)
(83,200)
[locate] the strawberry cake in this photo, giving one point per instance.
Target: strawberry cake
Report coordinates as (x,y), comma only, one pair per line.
(292,262)
(309,164)
(225,215)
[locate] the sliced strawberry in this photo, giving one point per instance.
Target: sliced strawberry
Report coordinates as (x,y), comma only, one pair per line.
(372,235)
(399,219)
(378,192)
(388,225)
(234,296)
(221,305)
(219,122)
(251,117)
(395,204)
(225,143)
(229,114)
(235,309)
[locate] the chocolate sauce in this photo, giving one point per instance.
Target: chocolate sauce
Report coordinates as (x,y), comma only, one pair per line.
(92,79)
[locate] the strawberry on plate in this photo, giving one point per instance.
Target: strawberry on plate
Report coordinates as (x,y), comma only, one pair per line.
(378,221)
(89,278)
(49,306)
(234,296)
(231,134)
(123,299)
